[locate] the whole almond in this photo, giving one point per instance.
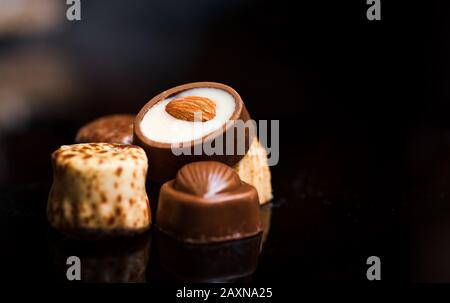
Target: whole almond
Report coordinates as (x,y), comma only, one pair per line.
(190,107)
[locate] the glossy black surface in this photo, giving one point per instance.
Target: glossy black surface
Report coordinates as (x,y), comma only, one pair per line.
(364,132)
(331,211)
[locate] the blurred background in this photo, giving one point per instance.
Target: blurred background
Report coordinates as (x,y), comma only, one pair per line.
(313,66)
(363,109)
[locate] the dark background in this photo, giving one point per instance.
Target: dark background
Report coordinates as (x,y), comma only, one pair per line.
(363,109)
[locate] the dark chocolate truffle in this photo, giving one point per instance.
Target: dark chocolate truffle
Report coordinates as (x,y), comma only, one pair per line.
(207,202)
(108,129)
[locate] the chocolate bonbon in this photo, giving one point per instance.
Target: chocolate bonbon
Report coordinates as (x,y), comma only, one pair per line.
(254,170)
(167,120)
(207,202)
(99,190)
(109,129)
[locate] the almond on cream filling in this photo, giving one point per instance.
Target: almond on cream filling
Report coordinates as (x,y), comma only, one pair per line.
(162,124)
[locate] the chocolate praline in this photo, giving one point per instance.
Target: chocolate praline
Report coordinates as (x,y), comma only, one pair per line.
(108,129)
(164,163)
(207,202)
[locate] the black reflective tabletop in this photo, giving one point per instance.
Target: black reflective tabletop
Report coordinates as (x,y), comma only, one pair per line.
(364,141)
(337,200)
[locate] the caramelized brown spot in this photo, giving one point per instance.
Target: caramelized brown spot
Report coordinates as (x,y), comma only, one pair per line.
(118,211)
(119,198)
(118,171)
(103,197)
(87,156)
(134,174)
(132,184)
(100,161)
(116,185)
(67,156)
(131,201)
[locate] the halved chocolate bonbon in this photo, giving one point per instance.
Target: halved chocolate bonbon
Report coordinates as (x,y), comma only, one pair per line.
(157,131)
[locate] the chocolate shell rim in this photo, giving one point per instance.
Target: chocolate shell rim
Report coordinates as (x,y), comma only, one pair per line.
(175,90)
(187,198)
(209,240)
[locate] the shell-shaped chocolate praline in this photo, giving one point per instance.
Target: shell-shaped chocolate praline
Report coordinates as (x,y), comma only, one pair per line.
(205,180)
(207,202)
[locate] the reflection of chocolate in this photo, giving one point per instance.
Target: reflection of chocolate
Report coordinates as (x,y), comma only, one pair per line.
(115,261)
(108,129)
(207,202)
(266,215)
(219,262)
(164,162)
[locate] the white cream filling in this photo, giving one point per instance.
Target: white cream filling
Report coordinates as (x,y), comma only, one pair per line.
(159,126)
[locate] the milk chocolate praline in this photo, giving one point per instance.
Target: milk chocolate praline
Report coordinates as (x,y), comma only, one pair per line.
(207,202)
(164,164)
(108,129)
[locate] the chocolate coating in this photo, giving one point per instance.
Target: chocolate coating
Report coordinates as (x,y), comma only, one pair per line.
(108,129)
(164,164)
(207,202)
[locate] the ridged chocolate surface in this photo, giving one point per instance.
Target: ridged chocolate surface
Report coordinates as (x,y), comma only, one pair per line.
(202,179)
(207,202)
